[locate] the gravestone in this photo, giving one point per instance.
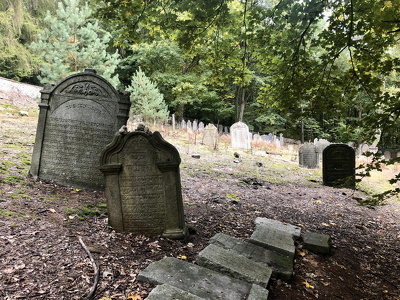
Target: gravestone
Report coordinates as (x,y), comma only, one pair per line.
(308,156)
(183,125)
(201,126)
(195,125)
(240,136)
(210,137)
(173,122)
(143,186)
(226,130)
(321,145)
(78,117)
(220,129)
(338,166)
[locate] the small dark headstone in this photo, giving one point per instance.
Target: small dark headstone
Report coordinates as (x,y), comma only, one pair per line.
(143,187)
(338,166)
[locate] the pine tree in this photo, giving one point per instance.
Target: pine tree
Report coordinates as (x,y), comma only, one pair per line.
(146,99)
(73,41)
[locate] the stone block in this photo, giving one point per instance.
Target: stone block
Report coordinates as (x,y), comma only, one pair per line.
(196,280)
(278,225)
(169,292)
(234,265)
(273,239)
(281,265)
(317,243)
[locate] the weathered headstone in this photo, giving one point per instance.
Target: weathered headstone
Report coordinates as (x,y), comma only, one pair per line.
(210,137)
(308,156)
(338,166)
(173,122)
(201,126)
(78,117)
(240,137)
(189,125)
(183,125)
(220,129)
(195,125)
(143,187)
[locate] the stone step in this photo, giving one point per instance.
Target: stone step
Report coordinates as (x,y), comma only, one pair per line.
(278,225)
(317,243)
(169,292)
(232,264)
(281,265)
(274,239)
(200,281)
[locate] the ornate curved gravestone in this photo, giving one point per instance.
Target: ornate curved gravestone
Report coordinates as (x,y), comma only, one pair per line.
(143,187)
(338,166)
(308,156)
(240,136)
(78,117)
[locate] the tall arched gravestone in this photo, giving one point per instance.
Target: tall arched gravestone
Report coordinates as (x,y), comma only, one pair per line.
(308,156)
(240,136)
(143,186)
(338,166)
(78,117)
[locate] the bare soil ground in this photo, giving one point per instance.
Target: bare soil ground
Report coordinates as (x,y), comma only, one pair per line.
(40,223)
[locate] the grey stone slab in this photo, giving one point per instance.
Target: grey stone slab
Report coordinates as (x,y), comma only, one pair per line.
(281,265)
(258,293)
(197,280)
(317,243)
(234,265)
(278,225)
(273,239)
(169,292)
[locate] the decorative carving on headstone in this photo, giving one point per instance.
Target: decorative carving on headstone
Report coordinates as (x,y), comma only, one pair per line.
(143,187)
(78,118)
(308,156)
(240,136)
(338,166)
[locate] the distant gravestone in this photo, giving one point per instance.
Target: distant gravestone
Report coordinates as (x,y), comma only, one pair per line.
(189,125)
(143,186)
(338,166)
(78,117)
(210,135)
(201,126)
(226,130)
(240,136)
(220,129)
(183,125)
(195,125)
(308,156)
(321,145)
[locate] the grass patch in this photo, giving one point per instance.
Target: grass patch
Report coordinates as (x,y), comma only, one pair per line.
(15,179)
(87,211)
(9,213)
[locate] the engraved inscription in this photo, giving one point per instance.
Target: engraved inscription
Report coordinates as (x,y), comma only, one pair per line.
(71,150)
(85,89)
(142,191)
